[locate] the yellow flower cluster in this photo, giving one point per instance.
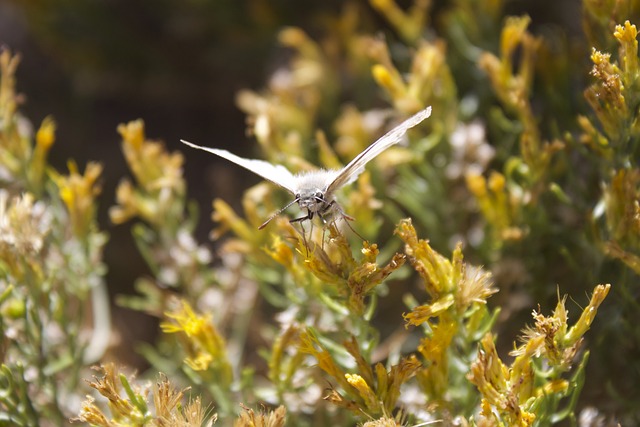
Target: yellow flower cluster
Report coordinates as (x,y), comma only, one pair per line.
(410,24)
(18,157)
(158,174)
(374,390)
(513,89)
(205,347)
(79,192)
(500,207)
(512,394)
(458,293)
(430,80)
(614,101)
(332,263)
(612,98)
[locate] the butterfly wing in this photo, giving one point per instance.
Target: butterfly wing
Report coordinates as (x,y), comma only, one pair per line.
(277,174)
(356,166)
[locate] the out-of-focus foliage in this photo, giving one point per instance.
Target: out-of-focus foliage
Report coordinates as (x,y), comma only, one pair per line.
(51,273)
(524,187)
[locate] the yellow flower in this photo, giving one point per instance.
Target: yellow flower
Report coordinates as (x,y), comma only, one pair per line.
(499,206)
(552,337)
(440,276)
(611,95)
(410,25)
(434,375)
(577,331)
(389,80)
(374,391)
(499,387)
(370,399)
(79,192)
(310,344)
(423,313)
(327,256)
(205,346)
(627,37)
(186,320)
(45,138)
(513,89)
(513,33)
(556,386)
(516,391)
(158,196)
(490,375)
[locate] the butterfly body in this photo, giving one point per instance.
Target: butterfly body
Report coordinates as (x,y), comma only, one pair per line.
(314,190)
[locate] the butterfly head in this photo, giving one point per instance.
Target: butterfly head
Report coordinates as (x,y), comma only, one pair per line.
(313,200)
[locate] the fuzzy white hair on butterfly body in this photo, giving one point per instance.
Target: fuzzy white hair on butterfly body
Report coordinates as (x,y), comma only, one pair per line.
(314,190)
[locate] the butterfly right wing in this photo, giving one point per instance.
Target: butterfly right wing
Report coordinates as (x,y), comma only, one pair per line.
(356,166)
(277,174)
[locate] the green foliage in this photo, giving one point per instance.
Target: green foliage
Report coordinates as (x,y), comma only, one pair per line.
(308,321)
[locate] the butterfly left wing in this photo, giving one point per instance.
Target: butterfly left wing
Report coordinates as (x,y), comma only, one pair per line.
(277,174)
(356,166)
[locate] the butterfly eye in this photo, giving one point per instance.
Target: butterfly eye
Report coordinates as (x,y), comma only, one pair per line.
(319,195)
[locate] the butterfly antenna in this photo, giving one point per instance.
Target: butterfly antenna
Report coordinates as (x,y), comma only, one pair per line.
(278,212)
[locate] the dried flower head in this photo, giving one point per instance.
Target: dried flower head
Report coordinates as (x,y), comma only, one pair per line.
(24,225)
(272,418)
(128,404)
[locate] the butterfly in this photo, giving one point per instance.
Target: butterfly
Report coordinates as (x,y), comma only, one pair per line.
(314,190)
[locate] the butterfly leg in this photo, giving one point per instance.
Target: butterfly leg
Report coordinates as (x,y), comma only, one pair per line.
(302,218)
(309,216)
(346,217)
(342,213)
(325,223)
(327,208)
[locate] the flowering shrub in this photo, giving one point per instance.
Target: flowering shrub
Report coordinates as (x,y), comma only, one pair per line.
(505,196)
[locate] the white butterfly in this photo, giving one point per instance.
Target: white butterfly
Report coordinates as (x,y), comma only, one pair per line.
(314,190)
